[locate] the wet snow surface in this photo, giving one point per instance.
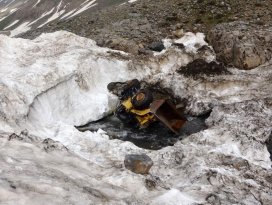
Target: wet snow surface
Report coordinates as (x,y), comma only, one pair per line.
(58,81)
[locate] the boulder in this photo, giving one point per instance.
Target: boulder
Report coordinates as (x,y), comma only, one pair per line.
(242,45)
(138,163)
(156,46)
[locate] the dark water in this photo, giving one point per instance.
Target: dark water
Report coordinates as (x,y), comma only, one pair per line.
(154,137)
(269,145)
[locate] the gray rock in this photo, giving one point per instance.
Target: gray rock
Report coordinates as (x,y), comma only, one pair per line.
(156,46)
(7,33)
(50,145)
(23,136)
(241,45)
(138,163)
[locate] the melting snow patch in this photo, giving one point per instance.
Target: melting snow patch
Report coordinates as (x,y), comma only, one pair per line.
(3,10)
(192,41)
(13,10)
(84,8)
(54,16)
(15,22)
(36,3)
(20,29)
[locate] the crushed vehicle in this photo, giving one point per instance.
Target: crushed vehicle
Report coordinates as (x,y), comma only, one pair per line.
(140,105)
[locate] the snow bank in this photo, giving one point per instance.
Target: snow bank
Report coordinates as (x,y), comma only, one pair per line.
(59,80)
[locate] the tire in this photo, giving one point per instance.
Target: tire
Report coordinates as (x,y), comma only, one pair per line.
(114,85)
(124,116)
(142,99)
(130,88)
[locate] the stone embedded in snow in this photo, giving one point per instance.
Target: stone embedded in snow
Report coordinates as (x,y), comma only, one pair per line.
(51,145)
(138,163)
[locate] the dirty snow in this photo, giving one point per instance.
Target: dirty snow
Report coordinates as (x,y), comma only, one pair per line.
(59,80)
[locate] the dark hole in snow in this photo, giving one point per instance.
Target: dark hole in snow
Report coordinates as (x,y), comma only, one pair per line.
(199,67)
(155,137)
(269,145)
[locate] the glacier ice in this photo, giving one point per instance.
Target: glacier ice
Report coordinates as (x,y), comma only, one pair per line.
(58,80)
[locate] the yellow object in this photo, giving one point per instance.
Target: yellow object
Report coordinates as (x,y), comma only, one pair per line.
(144,117)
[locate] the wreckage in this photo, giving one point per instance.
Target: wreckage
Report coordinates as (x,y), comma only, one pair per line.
(140,107)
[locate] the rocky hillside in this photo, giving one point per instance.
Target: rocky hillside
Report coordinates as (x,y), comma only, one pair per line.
(133,26)
(18,16)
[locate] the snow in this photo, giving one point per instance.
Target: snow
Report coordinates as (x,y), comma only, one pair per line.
(20,29)
(3,10)
(13,10)
(59,80)
(55,16)
(12,24)
(190,40)
(1,19)
(58,12)
(84,8)
(36,3)
(41,17)
(173,197)
(68,14)
(44,15)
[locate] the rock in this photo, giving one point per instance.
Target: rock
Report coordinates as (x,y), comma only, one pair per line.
(138,163)
(156,46)
(179,45)
(241,45)
(178,33)
(15,137)
(23,136)
(143,51)
(122,44)
(50,145)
